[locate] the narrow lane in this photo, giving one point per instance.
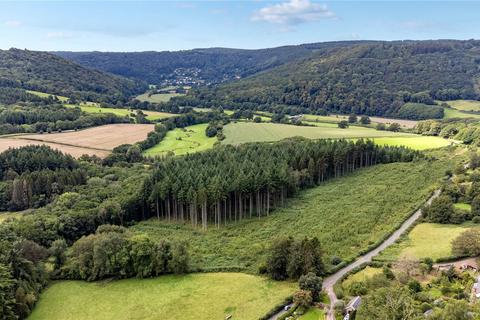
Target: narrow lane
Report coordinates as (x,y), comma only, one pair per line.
(330,281)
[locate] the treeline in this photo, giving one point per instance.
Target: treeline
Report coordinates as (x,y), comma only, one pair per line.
(231,183)
(113,252)
(465,130)
(418,72)
(40,118)
(45,72)
(290,259)
(32,176)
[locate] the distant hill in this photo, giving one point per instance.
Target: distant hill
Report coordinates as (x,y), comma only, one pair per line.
(198,66)
(45,72)
(375,78)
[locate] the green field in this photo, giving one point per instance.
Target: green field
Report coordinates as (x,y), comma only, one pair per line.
(242,132)
(362,275)
(182,141)
(426,240)
(189,297)
(151,115)
(46,95)
(416,142)
(453,113)
(464,105)
(313,314)
(347,215)
(158,97)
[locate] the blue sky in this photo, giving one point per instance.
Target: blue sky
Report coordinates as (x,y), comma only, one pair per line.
(160,25)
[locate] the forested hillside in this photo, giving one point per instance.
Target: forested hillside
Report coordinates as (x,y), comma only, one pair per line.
(198,66)
(45,72)
(367,78)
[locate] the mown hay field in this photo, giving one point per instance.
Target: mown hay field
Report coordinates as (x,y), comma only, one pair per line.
(93,141)
(189,297)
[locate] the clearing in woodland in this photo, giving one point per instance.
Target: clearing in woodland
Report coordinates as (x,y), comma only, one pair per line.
(183,140)
(188,297)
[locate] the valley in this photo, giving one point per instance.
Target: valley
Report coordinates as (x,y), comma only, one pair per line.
(310,181)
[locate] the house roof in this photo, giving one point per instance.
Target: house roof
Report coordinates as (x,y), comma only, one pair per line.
(354,303)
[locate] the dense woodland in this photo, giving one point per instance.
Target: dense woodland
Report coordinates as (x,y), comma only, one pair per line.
(465,130)
(201,66)
(34,175)
(234,183)
(372,78)
(45,72)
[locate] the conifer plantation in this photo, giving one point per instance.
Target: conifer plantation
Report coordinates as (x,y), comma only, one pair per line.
(232,183)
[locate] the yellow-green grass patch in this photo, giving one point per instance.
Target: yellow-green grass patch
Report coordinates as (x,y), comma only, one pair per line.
(46,95)
(190,297)
(151,115)
(430,240)
(464,105)
(6,215)
(158,97)
(463,206)
(415,142)
(183,140)
(361,276)
(450,113)
(242,132)
(313,314)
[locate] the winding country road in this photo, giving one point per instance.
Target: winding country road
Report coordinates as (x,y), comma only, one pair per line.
(330,281)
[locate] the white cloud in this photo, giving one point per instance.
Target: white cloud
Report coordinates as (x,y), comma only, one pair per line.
(293,12)
(14,23)
(58,35)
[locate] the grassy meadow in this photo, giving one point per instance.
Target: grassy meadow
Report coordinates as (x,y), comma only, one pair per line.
(158,97)
(454,113)
(189,297)
(151,115)
(313,314)
(347,215)
(426,240)
(415,142)
(46,95)
(181,141)
(362,275)
(242,132)
(464,105)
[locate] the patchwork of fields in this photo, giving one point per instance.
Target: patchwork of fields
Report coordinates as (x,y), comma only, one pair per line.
(92,141)
(189,297)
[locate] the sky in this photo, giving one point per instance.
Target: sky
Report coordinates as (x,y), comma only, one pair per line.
(181,25)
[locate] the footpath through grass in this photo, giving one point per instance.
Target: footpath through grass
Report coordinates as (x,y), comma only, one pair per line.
(183,140)
(189,297)
(348,215)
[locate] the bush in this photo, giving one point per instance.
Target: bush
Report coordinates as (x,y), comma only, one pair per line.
(343,124)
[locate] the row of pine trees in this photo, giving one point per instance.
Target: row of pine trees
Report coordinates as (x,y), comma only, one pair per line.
(231,183)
